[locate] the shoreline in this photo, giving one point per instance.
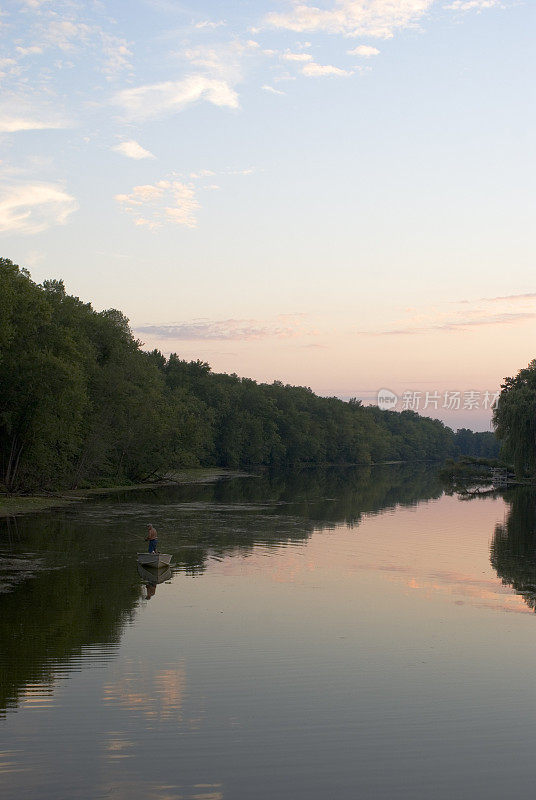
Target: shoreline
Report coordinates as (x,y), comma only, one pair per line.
(13,505)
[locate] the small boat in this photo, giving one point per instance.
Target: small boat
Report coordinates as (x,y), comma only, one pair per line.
(154,559)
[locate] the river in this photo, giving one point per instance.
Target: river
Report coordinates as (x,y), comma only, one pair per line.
(333,633)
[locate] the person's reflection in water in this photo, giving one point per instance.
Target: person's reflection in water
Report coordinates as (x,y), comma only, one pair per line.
(151,589)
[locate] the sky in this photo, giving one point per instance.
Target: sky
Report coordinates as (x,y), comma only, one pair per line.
(335,193)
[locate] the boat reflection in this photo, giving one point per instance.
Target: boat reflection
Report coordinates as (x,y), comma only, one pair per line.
(152,576)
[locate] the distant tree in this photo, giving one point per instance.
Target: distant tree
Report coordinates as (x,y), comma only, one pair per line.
(83,403)
(481,444)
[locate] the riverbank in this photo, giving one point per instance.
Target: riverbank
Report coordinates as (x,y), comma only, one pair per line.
(14,505)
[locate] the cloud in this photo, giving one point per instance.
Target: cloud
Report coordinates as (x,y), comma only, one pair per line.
(511,297)
(203,173)
(171,201)
(206,23)
(115,52)
(209,173)
(31,50)
(364,50)
(473,5)
(66,34)
(222,61)
(313,70)
(272,90)
(378,18)
(167,201)
(132,149)
(7,66)
(159,99)
(13,124)
(516,309)
(506,318)
(297,57)
(69,35)
(32,208)
(225,330)
(71,28)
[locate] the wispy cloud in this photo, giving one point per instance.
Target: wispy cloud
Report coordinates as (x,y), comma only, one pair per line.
(132,149)
(65,34)
(473,5)
(364,51)
(203,173)
(68,27)
(14,124)
(116,54)
(210,24)
(297,57)
(159,99)
(506,318)
(494,311)
(209,173)
(272,89)
(223,60)
(377,18)
(288,326)
(313,70)
(167,201)
(31,50)
(174,199)
(508,298)
(32,208)
(511,297)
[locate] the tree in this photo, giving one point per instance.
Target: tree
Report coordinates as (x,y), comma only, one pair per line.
(82,403)
(514,419)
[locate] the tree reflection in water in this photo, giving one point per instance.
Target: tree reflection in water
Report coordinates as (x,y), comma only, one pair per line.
(513,547)
(80,587)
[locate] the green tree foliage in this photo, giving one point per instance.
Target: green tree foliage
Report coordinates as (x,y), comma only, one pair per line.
(82,403)
(515,420)
(480,445)
(42,387)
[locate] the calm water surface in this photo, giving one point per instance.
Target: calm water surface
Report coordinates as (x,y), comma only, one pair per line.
(332,634)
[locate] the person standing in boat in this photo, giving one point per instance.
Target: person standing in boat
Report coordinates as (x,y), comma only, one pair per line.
(152,538)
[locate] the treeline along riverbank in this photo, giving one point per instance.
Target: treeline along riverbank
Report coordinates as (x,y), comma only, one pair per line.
(82,403)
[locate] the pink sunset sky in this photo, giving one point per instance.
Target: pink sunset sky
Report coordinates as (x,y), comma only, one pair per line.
(335,194)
